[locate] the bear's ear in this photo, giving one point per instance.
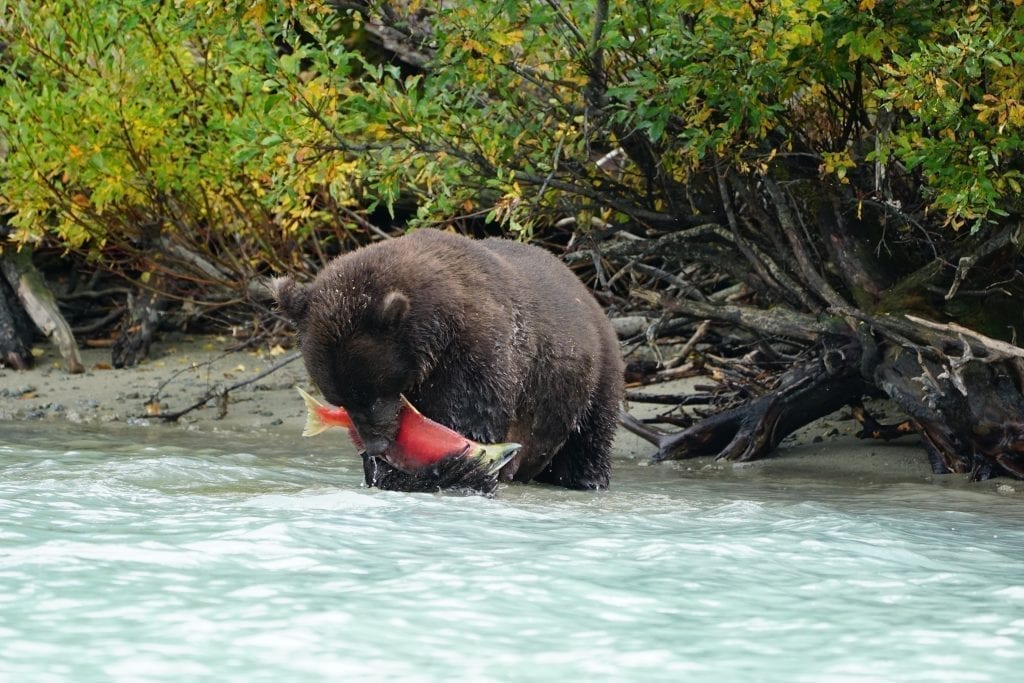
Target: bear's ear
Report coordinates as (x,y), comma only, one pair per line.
(292,297)
(393,308)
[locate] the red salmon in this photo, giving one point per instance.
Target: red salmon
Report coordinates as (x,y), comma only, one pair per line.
(419,443)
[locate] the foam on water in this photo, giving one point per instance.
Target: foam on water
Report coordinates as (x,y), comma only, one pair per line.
(189,559)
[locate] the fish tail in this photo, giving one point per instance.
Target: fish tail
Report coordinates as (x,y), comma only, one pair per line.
(314,424)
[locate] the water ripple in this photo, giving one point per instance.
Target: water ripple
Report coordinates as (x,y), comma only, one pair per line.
(186,560)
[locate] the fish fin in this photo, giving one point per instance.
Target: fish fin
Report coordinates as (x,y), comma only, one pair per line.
(314,425)
(407,404)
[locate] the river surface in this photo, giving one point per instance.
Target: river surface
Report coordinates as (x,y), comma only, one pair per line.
(159,555)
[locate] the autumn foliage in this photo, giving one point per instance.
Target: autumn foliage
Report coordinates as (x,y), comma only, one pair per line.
(807,174)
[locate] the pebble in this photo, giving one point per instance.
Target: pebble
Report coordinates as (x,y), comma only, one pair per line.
(15,393)
(1005,489)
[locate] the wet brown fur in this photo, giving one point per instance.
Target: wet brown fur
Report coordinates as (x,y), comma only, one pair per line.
(495,339)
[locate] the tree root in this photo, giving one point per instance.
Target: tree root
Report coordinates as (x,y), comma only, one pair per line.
(968,411)
(754,429)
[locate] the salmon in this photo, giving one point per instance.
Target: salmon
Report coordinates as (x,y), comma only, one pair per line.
(420,442)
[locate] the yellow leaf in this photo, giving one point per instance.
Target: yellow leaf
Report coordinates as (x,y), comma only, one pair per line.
(1016,113)
(257,13)
(507,39)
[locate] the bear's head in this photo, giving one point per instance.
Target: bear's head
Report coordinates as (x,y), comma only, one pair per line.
(359,348)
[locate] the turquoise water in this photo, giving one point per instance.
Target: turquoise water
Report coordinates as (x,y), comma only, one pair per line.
(153,554)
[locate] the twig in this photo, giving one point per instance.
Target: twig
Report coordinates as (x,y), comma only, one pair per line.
(217,392)
(671,399)
(680,357)
(988,342)
(107,319)
(789,229)
(94,294)
(155,396)
(684,287)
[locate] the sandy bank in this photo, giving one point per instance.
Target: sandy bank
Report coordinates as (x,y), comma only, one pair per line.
(184,368)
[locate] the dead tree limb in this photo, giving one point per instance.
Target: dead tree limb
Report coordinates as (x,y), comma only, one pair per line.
(754,429)
(218,392)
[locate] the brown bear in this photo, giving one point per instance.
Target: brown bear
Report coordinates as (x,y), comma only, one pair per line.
(493,338)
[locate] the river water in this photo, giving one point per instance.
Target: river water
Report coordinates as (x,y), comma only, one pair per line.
(154,554)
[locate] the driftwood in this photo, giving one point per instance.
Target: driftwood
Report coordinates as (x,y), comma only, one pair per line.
(138,328)
(40,305)
(839,331)
(754,429)
(969,412)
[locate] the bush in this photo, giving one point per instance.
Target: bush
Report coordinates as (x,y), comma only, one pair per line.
(166,140)
(261,136)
